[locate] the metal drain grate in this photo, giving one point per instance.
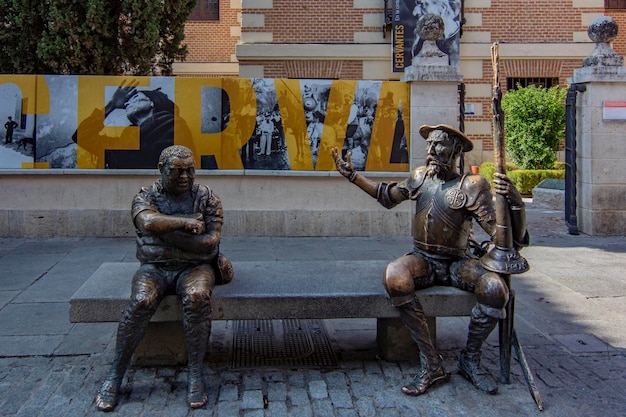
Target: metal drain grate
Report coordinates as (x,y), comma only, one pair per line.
(299,343)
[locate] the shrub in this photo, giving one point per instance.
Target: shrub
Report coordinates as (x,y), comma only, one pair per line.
(487,169)
(524,179)
(534,124)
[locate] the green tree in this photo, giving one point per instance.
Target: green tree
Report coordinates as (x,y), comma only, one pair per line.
(92,37)
(534,124)
(20,28)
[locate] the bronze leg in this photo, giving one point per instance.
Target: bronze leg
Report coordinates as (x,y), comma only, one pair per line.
(481,325)
(130,331)
(196,298)
(432,370)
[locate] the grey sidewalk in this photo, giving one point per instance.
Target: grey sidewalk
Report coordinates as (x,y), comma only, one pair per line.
(570,318)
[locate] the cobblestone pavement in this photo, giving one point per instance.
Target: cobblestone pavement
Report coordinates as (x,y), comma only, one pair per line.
(570,384)
(569,317)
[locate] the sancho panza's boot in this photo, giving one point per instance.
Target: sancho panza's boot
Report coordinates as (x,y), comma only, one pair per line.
(481,325)
(197,328)
(130,331)
(432,371)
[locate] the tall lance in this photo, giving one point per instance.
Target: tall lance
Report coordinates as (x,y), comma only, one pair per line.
(503,258)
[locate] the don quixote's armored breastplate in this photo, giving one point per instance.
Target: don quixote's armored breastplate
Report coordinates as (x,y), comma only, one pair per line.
(442,224)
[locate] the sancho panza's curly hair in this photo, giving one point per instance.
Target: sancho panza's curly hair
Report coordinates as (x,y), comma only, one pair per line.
(175,151)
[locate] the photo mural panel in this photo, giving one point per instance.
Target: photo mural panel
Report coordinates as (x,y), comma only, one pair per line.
(116,122)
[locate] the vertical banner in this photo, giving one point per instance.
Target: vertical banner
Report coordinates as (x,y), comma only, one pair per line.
(402,31)
(406,43)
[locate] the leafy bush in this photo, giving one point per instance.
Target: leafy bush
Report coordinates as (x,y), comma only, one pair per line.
(487,169)
(524,179)
(527,179)
(534,124)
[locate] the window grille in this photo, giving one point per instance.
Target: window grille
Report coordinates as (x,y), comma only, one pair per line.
(546,82)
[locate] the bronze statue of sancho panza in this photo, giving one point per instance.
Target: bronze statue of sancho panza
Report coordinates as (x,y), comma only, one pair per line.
(178,225)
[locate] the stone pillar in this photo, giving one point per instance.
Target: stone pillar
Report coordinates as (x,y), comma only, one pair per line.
(600,136)
(434,87)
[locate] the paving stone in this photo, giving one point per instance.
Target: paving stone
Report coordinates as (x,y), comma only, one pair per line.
(298,397)
(362,389)
(252,399)
(275,376)
(296,379)
(366,407)
(335,379)
(301,412)
(276,391)
(318,390)
(277,409)
(227,409)
(388,412)
(322,408)
(229,392)
(342,412)
(341,397)
(252,382)
(253,413)
(202,412)
(385,398)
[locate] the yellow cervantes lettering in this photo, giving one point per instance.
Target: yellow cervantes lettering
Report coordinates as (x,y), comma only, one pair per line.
(398,45)
(90,150)
(224,145)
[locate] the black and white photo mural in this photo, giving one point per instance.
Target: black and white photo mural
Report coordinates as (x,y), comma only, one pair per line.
(119,122)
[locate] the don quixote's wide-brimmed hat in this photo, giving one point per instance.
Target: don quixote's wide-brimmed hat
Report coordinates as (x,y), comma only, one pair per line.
(466,143)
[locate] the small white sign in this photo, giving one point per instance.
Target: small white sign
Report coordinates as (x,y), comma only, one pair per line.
(469,108)
(614,110)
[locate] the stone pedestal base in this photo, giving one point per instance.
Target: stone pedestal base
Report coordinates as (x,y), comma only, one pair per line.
(163,344)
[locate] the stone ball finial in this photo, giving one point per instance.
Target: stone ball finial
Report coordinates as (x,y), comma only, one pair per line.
(602,29)
(430,27)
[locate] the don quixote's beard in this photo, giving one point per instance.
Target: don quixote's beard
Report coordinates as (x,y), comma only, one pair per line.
(436,168)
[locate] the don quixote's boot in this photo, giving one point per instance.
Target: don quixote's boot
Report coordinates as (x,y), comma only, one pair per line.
(481,325)
(432,371)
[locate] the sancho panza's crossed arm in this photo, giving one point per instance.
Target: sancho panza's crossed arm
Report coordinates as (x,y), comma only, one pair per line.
(195,234)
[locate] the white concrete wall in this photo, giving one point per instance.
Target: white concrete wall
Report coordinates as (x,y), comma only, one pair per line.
(81,203)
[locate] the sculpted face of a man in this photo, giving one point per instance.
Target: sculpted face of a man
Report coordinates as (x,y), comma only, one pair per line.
(178,174)
(440,153)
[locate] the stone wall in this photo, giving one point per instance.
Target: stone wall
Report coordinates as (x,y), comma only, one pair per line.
(600,150)
(84,203)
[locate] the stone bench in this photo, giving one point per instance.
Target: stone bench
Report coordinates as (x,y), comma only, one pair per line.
(267,290)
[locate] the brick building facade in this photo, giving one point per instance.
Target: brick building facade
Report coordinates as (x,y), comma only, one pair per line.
(543,40)
(211,39)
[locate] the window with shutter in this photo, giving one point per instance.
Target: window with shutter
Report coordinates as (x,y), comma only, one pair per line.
(205,10)
(615,4)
